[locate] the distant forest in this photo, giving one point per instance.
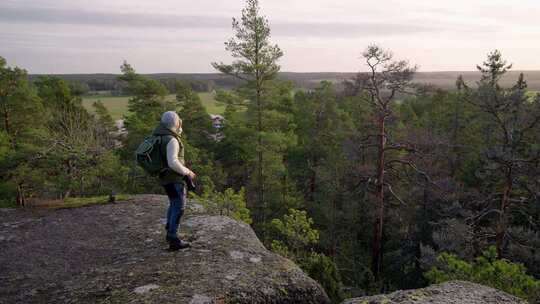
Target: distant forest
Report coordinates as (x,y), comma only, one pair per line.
(206,82)
(373,181)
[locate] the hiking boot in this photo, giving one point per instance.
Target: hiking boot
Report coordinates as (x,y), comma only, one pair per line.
(179,244)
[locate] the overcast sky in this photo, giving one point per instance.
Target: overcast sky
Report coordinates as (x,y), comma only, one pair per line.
(76,36)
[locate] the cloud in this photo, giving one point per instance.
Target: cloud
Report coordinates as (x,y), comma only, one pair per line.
(183,35)
(348,29)
(106,19)
(152,20)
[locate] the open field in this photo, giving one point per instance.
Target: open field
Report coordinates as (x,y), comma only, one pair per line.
(444,80)
(210,103)
(117,105)
(447,80)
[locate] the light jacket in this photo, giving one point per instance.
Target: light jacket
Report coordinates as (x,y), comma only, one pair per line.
(172,150)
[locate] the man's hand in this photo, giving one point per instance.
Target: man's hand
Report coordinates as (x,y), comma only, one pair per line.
(192,175)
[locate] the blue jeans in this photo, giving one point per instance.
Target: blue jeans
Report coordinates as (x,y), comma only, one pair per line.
(177,198)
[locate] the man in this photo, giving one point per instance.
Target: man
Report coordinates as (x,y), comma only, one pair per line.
(172,177)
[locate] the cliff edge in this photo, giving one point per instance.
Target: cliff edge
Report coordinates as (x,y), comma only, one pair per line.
(116,253)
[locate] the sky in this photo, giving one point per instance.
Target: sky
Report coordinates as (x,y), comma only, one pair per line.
(179,36)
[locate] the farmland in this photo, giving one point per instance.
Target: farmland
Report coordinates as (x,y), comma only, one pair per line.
(117,105)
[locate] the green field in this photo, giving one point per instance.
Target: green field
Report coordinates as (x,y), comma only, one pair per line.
(117,105)
(210,104)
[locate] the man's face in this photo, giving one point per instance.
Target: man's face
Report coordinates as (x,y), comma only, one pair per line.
(178,126)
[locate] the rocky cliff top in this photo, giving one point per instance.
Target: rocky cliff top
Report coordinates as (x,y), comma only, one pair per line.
(454,292)
(116,253)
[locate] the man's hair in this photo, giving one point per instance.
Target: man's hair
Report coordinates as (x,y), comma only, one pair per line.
(169,119)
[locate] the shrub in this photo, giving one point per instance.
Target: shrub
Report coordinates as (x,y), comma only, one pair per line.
(295,238)
(323,270)
(228,202)
(488,270)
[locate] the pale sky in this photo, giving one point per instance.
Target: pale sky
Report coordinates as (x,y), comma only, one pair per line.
(179,36)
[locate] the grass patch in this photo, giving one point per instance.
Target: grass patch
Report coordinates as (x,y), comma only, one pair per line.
(118,105)
(210,103)
(75,202)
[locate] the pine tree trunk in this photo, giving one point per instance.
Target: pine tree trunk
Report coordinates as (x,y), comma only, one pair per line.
(21,200)
(67,194)
(313,181)
(7,125)
(501,225)
(376,265)
(260,179)
(456,157)
(258,88)
(6,119)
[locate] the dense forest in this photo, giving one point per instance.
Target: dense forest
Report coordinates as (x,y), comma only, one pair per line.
(373,184)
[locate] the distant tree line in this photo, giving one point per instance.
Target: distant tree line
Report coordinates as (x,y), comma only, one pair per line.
(110,83)
(374,184)
(95,83)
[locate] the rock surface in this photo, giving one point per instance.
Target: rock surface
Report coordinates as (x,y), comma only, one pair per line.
(116,253)
(454,292)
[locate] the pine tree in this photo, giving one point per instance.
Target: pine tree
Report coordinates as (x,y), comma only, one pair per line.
(380,85)
(509,144)
(198,135)
(77,144)
(145,107)
(256,64)
(22,115)
(196,121)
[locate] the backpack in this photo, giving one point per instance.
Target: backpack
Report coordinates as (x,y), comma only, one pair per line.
(148,155)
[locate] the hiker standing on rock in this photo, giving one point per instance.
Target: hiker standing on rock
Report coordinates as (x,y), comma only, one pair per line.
(172,177)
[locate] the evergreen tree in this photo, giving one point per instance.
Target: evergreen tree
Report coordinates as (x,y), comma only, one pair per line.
(319,164)
(256,64)
(380,85)
(509,146)
(195,119)
(22,115)
(78,144)
(103,116)
(200,137)
(145,107)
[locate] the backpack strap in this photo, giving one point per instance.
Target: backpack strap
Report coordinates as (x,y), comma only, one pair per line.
(161,154)
(164,141)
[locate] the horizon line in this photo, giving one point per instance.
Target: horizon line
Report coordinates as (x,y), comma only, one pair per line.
(291,72)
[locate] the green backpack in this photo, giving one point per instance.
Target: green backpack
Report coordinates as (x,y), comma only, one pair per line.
(149,156)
